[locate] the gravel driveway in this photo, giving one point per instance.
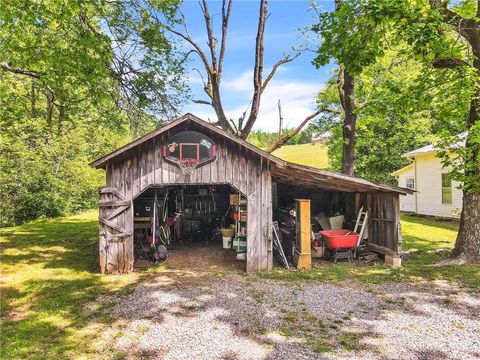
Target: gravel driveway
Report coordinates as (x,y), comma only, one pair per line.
(195,315)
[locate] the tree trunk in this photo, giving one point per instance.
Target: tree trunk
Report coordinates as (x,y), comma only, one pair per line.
(61,118)
(49,114)
(32,99)
(468,238)
(467,244)
(280,119)
(346,89)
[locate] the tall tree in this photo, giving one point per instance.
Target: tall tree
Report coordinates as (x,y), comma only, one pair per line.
(446,36)
(108,48)
(213,61)
(345,79)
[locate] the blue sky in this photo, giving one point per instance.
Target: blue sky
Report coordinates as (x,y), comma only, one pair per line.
(295,83)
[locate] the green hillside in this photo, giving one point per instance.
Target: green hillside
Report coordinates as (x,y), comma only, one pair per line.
(306,154)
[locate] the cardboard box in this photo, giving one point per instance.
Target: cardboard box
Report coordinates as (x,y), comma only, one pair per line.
(243,216)
(234,199)
(317,252)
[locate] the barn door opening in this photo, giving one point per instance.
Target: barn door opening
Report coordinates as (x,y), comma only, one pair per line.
(199,226)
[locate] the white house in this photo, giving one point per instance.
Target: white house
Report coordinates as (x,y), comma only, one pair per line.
(435,193)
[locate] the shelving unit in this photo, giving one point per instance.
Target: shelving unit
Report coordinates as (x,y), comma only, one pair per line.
(240,239)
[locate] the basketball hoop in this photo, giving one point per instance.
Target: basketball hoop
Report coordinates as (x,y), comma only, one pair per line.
(187,166)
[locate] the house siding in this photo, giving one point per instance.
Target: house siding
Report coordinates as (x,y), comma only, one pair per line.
(429,188)
(407,202)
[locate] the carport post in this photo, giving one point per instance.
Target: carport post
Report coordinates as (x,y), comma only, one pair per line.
(303,245)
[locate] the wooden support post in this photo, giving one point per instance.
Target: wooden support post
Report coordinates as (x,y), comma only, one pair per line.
(303,253)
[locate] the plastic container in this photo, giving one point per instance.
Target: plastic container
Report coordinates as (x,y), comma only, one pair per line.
(340,238)
(227,242)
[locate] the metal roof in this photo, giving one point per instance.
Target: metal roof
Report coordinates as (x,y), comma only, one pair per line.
(434,147)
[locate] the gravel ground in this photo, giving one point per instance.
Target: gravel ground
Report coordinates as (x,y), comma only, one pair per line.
(194,315)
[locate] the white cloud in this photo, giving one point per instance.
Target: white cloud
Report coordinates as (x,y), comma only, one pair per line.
(297,98)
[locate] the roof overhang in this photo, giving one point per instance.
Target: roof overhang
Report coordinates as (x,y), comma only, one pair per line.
(397,172)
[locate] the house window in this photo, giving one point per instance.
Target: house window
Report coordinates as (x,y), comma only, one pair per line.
(446,189)
(410,183)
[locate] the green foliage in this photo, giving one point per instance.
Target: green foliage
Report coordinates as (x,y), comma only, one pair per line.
(77,79)
(110,49)
(363,34)
(388,125)
(45,168)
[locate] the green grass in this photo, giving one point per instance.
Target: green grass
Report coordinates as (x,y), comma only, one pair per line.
(306,154)
(49,274)
(422,237)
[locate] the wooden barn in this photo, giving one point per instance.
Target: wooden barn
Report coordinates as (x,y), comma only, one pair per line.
(191,178)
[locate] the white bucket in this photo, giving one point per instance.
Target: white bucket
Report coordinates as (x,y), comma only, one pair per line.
(227,242)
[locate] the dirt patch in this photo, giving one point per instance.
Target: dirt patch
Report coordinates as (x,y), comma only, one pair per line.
(203,257)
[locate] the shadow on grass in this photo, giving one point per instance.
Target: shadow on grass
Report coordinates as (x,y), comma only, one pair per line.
(51,273)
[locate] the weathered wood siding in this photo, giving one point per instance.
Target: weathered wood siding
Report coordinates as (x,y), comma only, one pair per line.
(144,166)
(384,228)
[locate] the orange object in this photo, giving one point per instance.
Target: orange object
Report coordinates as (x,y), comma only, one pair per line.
(340,238)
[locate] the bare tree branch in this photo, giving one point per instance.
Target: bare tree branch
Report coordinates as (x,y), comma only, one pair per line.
(204,102)
(257,71)
(6,66)
(449,63)
(197,48)
(284,60)
(225,19)
(282,140)
(212,41)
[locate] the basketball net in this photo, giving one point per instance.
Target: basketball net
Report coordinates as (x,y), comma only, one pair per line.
(187,166)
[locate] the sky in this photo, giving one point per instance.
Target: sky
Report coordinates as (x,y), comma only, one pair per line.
(295,83)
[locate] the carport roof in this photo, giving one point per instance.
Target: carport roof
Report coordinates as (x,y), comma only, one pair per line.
(283,171)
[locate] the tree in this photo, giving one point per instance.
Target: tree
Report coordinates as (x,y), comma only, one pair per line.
(446,37)
(328,29)
(77,79)
(387,127)
(213,60)
(108,49)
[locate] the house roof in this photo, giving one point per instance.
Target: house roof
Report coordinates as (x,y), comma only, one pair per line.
(434,147)
(281,169)
(397,172)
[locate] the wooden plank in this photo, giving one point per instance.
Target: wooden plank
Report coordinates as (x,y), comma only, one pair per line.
(252,225)
(150,148)
(102,244)
(111,224)
(116,212)
(381,249)
(114,203)
(267,257)
(135,172)
(397,237)
(143,153)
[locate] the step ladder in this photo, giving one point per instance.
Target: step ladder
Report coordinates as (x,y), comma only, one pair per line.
(362,219)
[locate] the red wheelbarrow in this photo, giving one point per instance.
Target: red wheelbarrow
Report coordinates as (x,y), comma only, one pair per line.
(343,243)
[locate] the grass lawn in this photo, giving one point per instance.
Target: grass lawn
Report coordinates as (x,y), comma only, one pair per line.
(306,154)
(422,238)
(49,274)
